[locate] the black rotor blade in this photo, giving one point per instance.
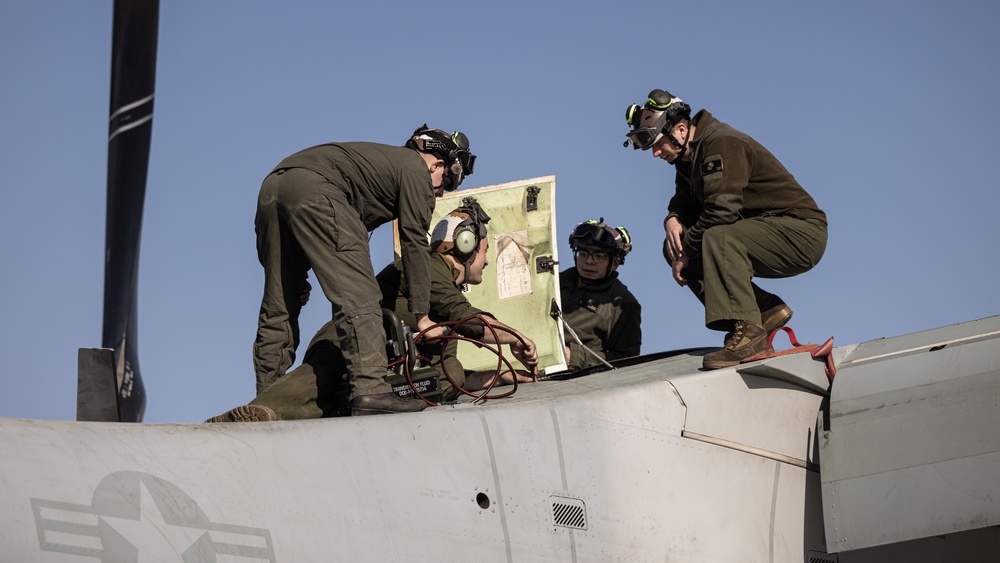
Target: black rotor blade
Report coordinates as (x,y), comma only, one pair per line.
(133,77)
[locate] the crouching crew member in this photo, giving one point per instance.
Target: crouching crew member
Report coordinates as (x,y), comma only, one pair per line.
(736,214)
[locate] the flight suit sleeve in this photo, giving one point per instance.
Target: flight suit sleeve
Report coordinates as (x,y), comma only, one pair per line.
(416,204)
(724,173)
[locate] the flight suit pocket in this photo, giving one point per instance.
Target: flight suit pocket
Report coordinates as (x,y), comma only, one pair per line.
(345,228)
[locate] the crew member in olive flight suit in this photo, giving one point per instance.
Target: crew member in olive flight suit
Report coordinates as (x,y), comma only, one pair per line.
(736,214)
(314,211)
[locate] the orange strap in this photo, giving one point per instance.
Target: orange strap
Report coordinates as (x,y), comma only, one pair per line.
(819,352)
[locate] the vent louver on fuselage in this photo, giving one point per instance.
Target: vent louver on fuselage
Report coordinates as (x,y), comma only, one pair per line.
(569,513)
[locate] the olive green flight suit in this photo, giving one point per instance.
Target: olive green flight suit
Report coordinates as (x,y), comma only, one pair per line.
(745,216)
(317,389)
(448,303)
(314,211)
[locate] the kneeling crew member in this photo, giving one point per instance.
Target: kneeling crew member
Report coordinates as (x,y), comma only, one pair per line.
(459,245)
(315,389)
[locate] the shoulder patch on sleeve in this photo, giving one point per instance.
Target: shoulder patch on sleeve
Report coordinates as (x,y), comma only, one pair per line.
(712,165)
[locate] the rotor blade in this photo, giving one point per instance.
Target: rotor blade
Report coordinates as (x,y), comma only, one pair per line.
(133,77)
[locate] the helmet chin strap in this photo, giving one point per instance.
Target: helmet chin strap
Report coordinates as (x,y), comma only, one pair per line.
(460,268)
(456,272)
(681,146)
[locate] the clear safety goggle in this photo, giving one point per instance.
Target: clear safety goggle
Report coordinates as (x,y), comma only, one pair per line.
(645,137)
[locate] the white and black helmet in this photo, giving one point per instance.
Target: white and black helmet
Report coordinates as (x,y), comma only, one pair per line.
(452,149)
(460,232)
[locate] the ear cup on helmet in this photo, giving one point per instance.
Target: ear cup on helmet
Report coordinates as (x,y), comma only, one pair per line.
(466,240)
(631,113)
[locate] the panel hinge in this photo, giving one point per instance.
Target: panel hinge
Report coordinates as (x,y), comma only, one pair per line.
(545,264)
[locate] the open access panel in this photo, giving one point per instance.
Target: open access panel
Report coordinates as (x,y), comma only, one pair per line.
(521,282)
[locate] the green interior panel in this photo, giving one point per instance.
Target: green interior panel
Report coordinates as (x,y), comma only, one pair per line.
(515,289)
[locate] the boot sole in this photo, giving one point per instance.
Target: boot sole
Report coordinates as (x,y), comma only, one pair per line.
(356,411)
(246,413)
(729,363)
(719,364)
(366,412)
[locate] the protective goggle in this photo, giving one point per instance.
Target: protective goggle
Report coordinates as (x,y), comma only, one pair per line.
(461,166)
(645,137)
(462,154)
(602,236)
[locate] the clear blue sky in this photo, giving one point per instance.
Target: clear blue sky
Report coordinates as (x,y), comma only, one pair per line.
(886,112)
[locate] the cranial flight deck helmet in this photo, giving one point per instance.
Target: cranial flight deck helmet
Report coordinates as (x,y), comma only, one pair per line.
(653,119)
(452,149)
(595,234)
(461,231)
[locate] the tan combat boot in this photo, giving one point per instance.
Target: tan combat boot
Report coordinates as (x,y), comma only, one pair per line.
(747,340)
(774,314)
(246,413)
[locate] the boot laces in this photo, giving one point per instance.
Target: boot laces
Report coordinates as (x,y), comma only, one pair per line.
(737,335)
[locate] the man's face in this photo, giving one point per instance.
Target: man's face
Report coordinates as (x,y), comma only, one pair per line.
(592,263)
(474,272)
(665,148)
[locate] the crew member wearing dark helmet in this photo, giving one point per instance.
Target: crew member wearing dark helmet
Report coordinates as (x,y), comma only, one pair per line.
(736,214)
(459,244)
(315,211)
(601,315)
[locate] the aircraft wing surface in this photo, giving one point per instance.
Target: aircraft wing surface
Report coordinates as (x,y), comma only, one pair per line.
(912,449)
